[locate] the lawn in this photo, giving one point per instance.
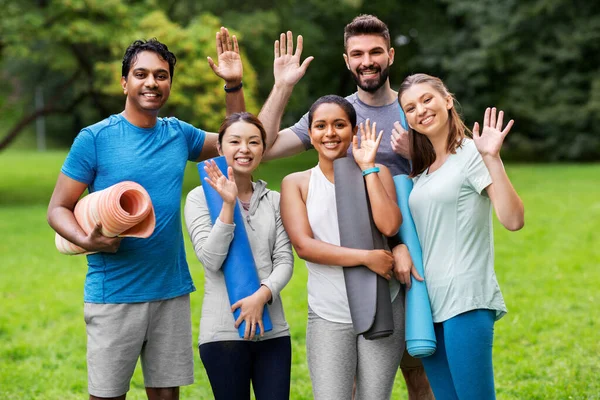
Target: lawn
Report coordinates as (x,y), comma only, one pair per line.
(547,347)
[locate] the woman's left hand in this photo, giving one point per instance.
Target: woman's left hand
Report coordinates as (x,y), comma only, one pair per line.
(491,138)
(369,143)
(252,311)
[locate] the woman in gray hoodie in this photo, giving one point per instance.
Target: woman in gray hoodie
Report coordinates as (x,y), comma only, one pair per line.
(264,359)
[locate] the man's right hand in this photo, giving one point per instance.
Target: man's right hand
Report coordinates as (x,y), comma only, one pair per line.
(286,67)
(96,242)
(399,141)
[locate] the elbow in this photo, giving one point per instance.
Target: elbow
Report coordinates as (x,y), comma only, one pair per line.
(50,218)
(390,231)
(391,225)
(302,250)
(515,224)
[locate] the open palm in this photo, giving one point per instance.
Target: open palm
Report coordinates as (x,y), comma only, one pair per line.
(489,142)
(225,186)
(369,143)
(228,56)
(286,67)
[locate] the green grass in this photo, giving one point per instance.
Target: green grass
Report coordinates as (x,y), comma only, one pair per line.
(547,347)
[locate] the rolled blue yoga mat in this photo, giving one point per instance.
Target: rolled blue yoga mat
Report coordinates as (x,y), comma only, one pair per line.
(368,293)
(239,269)
(420,336)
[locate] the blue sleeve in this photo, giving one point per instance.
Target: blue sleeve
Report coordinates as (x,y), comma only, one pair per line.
(301,130)
(194,138)
(81,161)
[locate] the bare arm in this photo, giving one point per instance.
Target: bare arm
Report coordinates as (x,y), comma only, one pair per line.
(61,218)
(287,71)
(295,221)
(380,186)
(507,203)
(286,144)
(382,198)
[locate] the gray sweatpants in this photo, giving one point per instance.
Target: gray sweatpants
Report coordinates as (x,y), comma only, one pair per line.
(336,355)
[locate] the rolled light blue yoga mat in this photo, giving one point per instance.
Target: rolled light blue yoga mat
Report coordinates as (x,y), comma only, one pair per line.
(420,336)
(239,269)
(368,293)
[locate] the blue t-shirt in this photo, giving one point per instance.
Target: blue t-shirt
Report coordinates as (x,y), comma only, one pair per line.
(112,151)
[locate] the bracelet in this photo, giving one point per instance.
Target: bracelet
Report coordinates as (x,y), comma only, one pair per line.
(370,171)
(233,89)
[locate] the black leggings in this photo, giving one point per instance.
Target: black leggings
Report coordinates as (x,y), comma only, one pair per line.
(231,365)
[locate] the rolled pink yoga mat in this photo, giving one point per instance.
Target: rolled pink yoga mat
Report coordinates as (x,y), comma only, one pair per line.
(124,209)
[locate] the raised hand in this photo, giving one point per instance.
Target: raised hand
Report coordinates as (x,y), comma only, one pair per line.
(369,143)
(228,56)
(225,186)
(399,141)
(286,67)
(490,140)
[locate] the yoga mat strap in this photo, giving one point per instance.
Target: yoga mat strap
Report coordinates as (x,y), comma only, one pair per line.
(239,268)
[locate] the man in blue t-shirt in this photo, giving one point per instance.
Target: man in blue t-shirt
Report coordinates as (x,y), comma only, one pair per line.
(368,56)
(137,290)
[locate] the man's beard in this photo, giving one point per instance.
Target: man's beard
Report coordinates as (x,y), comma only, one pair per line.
(372,86)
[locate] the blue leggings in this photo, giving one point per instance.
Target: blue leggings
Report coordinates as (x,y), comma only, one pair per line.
(461,367)
(231,365)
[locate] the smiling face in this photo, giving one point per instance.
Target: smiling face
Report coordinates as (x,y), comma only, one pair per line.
(368,58)
(426,109)
(331,131)
(243,147)
(148,83)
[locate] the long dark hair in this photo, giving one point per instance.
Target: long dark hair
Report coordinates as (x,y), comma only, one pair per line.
(422,152)
(244,117)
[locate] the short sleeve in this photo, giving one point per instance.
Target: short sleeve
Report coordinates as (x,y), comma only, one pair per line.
(300,128)
(81,161)
(194,138)
(477,173)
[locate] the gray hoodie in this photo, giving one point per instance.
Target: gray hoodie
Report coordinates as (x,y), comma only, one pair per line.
(272,253)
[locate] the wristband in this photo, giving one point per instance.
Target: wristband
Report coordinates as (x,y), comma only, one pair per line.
(233,89)
(370,171)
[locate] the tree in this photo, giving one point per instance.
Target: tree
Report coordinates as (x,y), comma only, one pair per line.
(74,49)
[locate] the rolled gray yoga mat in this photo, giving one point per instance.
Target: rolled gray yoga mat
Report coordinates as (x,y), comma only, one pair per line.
(368,293)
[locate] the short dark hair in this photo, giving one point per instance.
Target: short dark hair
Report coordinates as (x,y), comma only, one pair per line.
(333,99)
(243,117)
(366,24)
(152,45)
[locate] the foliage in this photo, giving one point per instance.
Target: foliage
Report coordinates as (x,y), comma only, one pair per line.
(545,348)
(538,60)
(73,49)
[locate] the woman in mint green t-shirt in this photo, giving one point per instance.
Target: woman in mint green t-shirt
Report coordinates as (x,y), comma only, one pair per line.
(457,180)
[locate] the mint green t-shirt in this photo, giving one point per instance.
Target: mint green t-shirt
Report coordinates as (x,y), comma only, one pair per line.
(453,217)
